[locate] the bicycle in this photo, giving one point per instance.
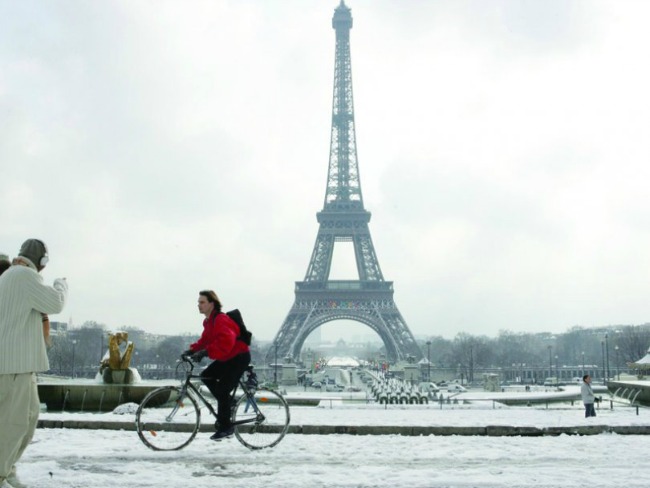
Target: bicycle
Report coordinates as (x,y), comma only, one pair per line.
(169,417)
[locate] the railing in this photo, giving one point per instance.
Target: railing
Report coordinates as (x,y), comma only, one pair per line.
(453,401)
(628,397)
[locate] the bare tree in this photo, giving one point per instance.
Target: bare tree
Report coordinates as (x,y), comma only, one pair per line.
(633,342)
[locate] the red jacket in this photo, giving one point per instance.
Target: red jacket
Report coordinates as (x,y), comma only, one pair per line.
(219,338)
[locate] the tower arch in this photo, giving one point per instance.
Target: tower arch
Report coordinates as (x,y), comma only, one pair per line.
(365,319)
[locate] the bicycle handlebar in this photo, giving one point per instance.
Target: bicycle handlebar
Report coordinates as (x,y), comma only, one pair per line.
(186,359)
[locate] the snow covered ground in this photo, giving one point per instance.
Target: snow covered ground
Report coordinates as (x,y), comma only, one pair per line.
(103,458)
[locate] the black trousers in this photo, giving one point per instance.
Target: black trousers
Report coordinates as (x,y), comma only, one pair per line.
(221,378)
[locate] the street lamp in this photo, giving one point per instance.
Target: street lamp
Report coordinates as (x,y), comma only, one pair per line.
(429,360)
(618,372)
(557,371)
(583,363)
(550,362)
(74,343)
(275,366)
(607,356)
(310,358)
(602,346)
(471,363)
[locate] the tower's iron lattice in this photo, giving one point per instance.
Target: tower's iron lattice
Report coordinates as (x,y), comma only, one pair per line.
(369,299)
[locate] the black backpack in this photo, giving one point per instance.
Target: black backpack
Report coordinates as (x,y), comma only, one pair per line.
(244,334)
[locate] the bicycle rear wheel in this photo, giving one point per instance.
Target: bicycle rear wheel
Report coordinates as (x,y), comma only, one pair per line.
(167,421)
(269,419)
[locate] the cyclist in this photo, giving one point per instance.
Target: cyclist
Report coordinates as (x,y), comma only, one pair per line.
(220,341)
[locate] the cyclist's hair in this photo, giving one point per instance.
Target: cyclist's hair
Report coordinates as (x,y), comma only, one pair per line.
(212,298)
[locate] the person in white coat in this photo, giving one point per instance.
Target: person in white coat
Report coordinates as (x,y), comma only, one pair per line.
(588,397)
(24,298)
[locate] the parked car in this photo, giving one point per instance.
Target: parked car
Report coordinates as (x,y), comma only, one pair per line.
(317,384)
(429,387)
(455,388)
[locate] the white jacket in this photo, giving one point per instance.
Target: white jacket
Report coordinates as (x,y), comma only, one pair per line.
(587,393)
(23,298)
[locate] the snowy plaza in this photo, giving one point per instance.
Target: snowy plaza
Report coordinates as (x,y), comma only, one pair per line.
(80,458)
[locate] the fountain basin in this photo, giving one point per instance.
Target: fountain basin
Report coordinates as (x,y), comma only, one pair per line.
(90,397)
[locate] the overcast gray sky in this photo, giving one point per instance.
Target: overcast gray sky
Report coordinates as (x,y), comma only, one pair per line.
(163,147)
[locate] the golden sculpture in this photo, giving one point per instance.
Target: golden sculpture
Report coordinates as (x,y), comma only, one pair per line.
(115,367)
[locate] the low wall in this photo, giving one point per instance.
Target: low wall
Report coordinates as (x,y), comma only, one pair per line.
(489,430)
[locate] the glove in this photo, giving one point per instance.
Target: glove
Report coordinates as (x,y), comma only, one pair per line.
(187,354)
(198,355)
(61,284)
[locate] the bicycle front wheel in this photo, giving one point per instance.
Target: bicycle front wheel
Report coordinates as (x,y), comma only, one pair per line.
(262,422)
(167,420)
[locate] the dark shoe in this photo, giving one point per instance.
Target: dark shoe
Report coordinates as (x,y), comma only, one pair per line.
(222,434)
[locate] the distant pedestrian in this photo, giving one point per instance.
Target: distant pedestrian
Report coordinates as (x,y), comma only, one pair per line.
(23,301)
(588,397)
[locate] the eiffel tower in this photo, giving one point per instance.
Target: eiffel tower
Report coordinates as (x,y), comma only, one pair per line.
(369,299)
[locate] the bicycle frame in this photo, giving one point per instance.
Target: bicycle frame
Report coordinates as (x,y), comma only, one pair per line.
(188,386)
